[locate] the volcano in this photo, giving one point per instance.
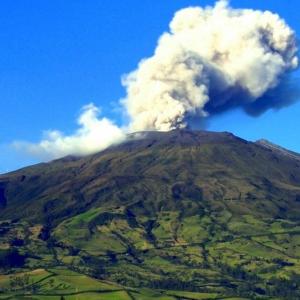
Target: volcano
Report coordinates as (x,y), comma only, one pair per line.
(165,215)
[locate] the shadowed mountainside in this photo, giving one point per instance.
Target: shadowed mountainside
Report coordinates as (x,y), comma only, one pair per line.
(156,168)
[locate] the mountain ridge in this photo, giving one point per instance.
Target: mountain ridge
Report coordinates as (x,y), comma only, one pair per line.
(275,147)
(154,135)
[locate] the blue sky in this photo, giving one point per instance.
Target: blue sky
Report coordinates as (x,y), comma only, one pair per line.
(57,56)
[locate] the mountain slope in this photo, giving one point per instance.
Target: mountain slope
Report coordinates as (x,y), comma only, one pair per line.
(279,149)
(186,210)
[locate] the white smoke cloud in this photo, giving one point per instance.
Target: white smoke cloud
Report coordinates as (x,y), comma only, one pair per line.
(211,58)
(93,135)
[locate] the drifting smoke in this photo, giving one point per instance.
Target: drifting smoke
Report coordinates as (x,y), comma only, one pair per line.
(93,135)
(212,59)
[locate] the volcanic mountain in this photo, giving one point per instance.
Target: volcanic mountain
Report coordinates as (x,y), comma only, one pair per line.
(181,213)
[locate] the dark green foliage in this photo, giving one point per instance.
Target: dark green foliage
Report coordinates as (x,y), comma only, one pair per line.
(11,258)
(16,242)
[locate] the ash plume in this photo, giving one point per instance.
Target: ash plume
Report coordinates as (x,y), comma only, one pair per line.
(212,59)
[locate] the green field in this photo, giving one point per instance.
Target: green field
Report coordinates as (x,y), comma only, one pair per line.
(57,283)
(182,261)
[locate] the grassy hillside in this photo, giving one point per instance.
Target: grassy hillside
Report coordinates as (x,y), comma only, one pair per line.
(176,215)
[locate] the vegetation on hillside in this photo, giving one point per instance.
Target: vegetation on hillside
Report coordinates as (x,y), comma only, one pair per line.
(177,215)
